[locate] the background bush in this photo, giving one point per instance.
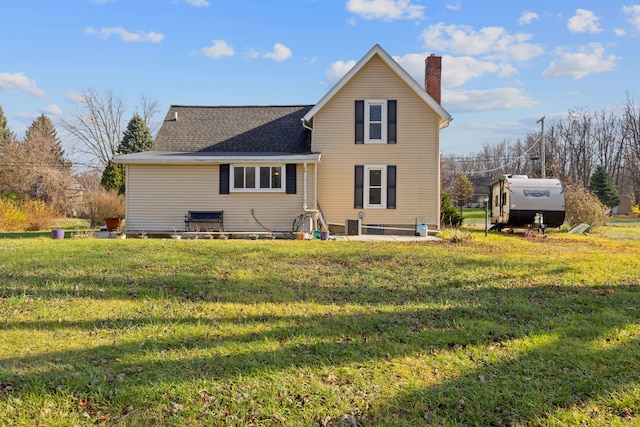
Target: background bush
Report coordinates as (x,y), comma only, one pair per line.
(32,215)
(582,206)
(449,216)
(101,204)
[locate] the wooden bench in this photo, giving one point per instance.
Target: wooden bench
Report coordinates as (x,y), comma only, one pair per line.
(204,217)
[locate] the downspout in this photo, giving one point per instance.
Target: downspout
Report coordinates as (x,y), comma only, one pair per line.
(314,224)
(314,217)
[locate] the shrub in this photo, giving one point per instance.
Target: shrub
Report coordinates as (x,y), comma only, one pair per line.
(455,235)
(40,216)
(12,217)
(635,210)
(582,206)
(101,204)
(449,216)
(32,215)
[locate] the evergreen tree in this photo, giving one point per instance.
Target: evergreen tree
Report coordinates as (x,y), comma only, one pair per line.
(449,216)
(136,138)
(113,177)
(463,190)
(43,132)
(6,135)
(601,184)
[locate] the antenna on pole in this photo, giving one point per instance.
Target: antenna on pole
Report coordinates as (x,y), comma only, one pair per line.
(543,165)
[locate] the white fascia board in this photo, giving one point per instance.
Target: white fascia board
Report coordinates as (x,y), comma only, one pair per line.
(181,158)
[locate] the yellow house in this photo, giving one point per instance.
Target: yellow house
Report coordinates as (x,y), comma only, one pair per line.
(365,158)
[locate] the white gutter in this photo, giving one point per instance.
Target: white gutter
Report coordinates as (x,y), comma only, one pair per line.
(182,158)
(305,124)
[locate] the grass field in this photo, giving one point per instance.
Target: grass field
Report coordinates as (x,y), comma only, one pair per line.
(500,330)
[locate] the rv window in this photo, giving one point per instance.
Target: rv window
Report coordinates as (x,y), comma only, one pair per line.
(497,202)
(504,198)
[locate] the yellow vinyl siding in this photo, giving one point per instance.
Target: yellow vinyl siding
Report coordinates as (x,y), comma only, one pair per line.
(163,194)
(416,153)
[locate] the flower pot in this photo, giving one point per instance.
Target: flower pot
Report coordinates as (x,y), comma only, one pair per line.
(57,233)
(113,224)
(324,235)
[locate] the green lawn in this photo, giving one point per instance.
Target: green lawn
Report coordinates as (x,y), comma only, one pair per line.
(500,330)
(474,215)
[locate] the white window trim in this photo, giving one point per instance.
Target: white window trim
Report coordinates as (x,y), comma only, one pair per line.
(383,186)
(367,111)
(232,184)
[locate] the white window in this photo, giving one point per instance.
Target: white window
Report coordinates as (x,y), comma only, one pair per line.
(375,186)
(257,178)
(375,125)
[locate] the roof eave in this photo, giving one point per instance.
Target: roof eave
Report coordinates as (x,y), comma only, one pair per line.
(184,158)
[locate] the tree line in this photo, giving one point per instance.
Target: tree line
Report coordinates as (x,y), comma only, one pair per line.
(36,167)
(576,145)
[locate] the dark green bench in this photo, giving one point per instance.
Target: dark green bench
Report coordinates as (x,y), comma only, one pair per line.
(204,217)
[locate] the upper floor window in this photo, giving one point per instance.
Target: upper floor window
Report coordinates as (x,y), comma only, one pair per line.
(375,121)
(257,178)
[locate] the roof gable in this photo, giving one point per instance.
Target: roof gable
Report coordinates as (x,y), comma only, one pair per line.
(445,117)
(229,129)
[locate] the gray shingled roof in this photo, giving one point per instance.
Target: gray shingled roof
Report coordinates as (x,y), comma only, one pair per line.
(246,129)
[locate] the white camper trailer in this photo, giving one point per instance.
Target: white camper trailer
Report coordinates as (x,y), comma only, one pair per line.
(518,201)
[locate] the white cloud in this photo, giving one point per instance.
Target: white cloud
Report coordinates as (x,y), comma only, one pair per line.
(388,10)
(453,5)
(590,59)
(75,97)
(527,17)
(338,69)
(620,32)
(493,42)
(484,100)
(634,12)
(584,21)
(52,109)
(456,70)
(26,117)
(197,3)
(218,49)
(280,53)
(19,83)
(125,36)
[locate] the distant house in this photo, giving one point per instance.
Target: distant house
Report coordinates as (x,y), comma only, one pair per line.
(369,150)
(481,189)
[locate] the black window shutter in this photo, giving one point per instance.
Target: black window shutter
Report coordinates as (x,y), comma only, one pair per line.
(359,122)
(224,178)
(391,121)
(290,170)
(359,187)
(391,187)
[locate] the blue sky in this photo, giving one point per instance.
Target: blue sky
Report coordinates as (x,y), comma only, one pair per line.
(505,63)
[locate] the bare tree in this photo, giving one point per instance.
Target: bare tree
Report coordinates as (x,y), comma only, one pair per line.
(149,109)
(609,144)
(631,134)
(96,125)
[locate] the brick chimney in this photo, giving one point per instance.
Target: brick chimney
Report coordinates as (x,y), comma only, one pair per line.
(432,76)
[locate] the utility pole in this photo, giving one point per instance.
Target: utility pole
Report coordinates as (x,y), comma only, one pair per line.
(543,165)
